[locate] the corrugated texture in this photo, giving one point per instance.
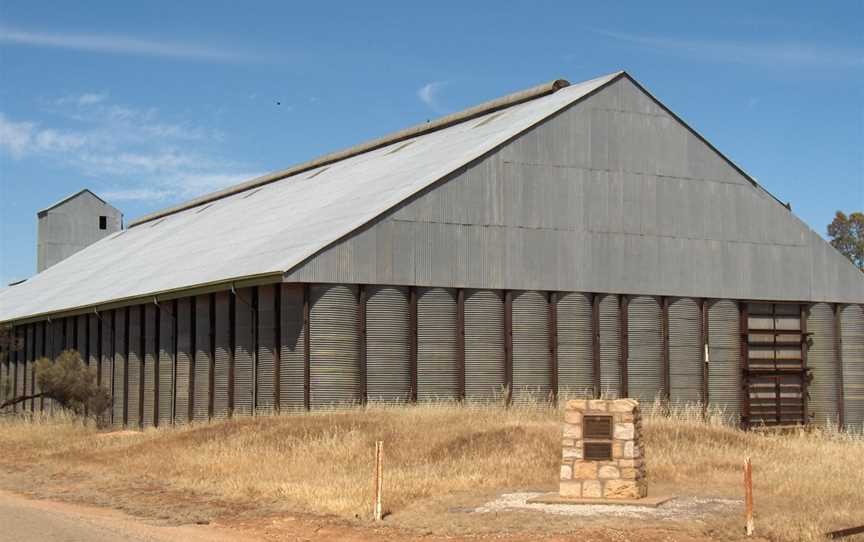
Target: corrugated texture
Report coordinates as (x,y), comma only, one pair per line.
(244,376)
(134,368)
(610,346)
(274,228)
(685,351)
(484,345)
(4,373)
(92,341)
(265,372)
(334,346)
(388,346)
(69,333)
(644,349)
(29,362)
(167,355)
(120,353)
(291,360)
(183,365)
(81,336)
(532,369)
(18,357)
(437,345)
(852,332)
(40,353)
(822,361)
(106,372)
(201,382)
(724,369)
(222,366)
(151,356)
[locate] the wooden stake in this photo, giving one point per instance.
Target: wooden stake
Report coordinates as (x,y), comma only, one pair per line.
(379,478)
(748,498)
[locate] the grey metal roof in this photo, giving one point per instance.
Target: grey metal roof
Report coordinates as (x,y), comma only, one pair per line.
(269,229)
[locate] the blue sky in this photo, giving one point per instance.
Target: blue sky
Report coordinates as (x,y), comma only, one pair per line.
(151,103)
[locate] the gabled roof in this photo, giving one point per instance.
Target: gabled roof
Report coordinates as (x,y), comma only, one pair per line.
(69,198)
(266,228)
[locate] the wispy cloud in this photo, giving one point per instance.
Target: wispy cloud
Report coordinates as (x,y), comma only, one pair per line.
(115,44)
(134,152)
(430,93)
(762,53)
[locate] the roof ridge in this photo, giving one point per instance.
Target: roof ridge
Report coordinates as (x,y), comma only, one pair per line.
(503,102)
(69,197)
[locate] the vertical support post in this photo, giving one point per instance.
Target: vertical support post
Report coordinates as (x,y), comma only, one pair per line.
(277,346)
(193,356)
(174,340)
(128,348)
(156,362)
(749,527)
(624,337)
(412,315)
(211,402)
(595,344)
(552,321)
(744,391)
(255,346)
(706,357)
(306,350)
(142,317)
(508,345)
(664,351)
(232,345)
(379,480)
(805,415)
(361,332)
(838,362)
(460,341)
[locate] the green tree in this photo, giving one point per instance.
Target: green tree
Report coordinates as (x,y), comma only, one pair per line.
(847,236)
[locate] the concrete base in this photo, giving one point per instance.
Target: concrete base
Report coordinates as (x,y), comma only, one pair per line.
(555,498)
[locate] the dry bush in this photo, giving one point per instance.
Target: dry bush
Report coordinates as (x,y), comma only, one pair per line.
(320,462)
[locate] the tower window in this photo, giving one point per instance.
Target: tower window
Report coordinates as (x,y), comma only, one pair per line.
(103,222)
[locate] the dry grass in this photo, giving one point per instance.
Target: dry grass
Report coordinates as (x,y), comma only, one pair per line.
(805,483)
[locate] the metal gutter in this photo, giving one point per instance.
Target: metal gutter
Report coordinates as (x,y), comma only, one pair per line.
(408,133)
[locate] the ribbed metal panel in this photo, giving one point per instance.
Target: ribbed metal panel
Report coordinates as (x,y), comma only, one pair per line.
(120,352)
(644,349)
(92,341)
(81,336)
(610,346)
(822,361)
(532,369)
(201,380)
(724,369)
(151,355)
(69,333)
(222,362)
(41,353)
(293,336)
(106,372)
(4,373)
(29,360)
(183,365)
(133,397)
(685,350)
(57,339)
(265,372)
(20,366)
(388,346)
(852,334)
(334,345)
(243,352)
(484,345)
(167,356)
(437,344)
(575,345)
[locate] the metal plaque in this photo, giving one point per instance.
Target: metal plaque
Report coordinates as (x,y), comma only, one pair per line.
(597,427)
(598,451)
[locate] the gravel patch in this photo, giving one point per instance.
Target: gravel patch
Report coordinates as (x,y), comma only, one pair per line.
(676,509)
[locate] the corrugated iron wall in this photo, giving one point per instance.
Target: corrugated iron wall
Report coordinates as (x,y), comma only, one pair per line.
(203,360)
(388,328)
(686,354)
(134,367)
(438,371)
(120,357)
(610,345)
(485,371)
(292,359)
(532,364)
(29,362)
(267,350)
(852,337)
(151,355)
(184,360)
(334,346)
(222,354)
(822,361)
(724,369)
(167,355)
(644,349)
(575,345)
(244,351)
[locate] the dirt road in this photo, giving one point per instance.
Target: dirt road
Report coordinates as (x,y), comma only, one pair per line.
(29,520)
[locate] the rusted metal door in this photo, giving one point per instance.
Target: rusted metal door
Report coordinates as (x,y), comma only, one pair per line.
(775,368)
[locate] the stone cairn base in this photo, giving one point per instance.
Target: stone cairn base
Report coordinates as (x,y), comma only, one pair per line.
(621,474)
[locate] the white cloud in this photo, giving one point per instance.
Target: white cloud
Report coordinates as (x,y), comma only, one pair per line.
(788,54)
(429,94)
(15,137)
(104,43)
(135,194)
